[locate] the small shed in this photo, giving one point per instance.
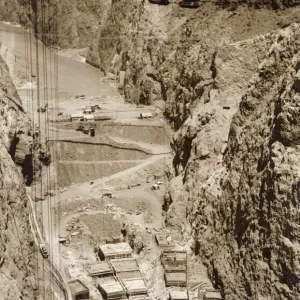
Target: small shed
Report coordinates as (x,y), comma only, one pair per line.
(174,256)
(111,251)
(178,295)
(76,117)
(212,295)
(124,265)
(89,117)
(174,268)
(100,117)
(79,290)
(100,269)
(146,115)
(175,279)
(162,241)
(88,110)
(140,297)
(111,289)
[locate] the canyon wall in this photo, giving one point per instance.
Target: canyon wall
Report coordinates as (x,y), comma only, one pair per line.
(227,78)
(17,251)
(61,24)
(200,64)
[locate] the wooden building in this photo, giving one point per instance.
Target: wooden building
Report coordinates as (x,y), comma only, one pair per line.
(178,295)
(77,117)
(174,268)
(111,289)
(133,282)
(176,279)
(100,269)
(161,240)
(124,265)
(140,297)
(212,295)
(79,290)
(174,257)
(112,251)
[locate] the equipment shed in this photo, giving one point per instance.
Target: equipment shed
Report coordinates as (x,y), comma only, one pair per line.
(124,265)
(76,117)
(111,289)
(79,290)
(89,117)
(112,251)
(178,295)
(100,269)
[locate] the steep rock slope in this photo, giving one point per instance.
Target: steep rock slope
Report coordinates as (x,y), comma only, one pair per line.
(200,63)
(168,52)
(63,24)
(17,254)
(244,211)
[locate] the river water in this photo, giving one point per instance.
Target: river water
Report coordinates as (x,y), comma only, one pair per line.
(73,77)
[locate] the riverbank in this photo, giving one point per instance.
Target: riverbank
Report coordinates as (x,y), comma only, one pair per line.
(75,54)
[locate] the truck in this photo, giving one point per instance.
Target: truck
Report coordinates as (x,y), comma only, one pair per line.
(44,250)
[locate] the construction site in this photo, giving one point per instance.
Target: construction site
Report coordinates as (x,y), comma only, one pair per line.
(99,201)
(107,224)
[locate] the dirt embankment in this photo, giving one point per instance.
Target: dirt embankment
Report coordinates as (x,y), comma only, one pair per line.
(69,150)
(79,172)
(140,133)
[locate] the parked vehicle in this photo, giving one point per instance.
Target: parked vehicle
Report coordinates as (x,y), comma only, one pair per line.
(155,187)
(44,250)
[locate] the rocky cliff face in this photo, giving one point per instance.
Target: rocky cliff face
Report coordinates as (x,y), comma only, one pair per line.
(226,77)
(202,64)
(63,24)
(17,261)
(243,209)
